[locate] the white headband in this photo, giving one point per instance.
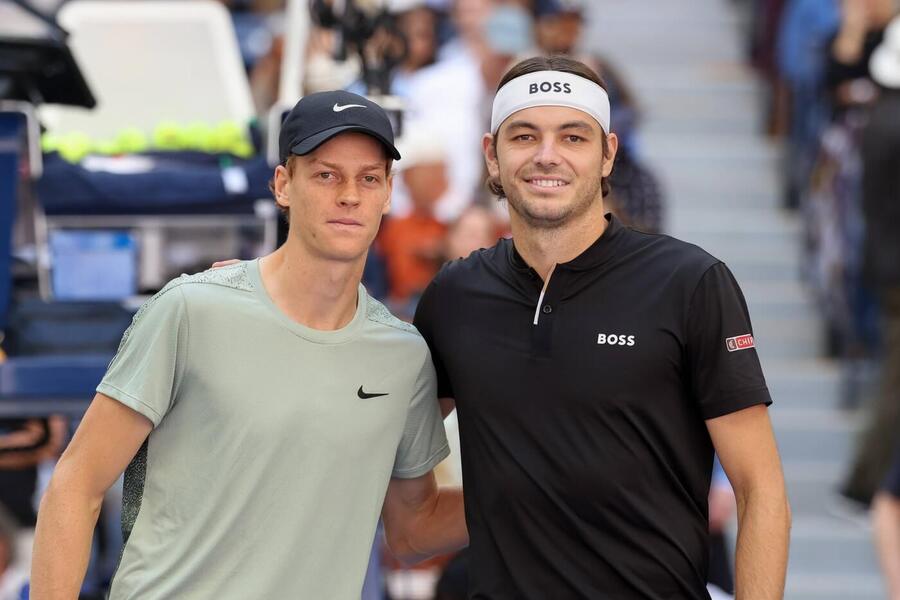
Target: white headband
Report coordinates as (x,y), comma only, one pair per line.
(551,88)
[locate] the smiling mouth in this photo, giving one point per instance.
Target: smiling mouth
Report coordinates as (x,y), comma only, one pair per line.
(547,182)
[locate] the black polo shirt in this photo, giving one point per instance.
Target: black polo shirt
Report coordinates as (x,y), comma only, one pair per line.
(586,459)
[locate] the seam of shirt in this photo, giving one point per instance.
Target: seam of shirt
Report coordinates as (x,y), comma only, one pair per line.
(437,453)
(748,400)
(751,390)
(131,397)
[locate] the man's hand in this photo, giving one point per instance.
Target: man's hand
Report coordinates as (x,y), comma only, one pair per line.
(224,263)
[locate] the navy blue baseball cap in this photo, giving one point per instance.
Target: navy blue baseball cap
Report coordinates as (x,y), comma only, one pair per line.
(317,118)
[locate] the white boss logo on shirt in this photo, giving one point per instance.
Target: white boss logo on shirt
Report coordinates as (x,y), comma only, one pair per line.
(612,339)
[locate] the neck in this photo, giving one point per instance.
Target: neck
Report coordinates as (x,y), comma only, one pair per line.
(543,248)
(315,292)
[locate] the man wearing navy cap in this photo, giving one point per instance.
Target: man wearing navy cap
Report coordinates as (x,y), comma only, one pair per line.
(266,413)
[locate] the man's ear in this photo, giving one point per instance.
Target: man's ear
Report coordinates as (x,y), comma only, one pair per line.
(490,155)
(612,145)
(282,179)
(390,190)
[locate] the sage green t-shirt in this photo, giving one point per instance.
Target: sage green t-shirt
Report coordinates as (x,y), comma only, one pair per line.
(273,443)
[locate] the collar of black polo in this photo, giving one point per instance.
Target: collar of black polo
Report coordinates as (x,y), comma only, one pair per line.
(595,255)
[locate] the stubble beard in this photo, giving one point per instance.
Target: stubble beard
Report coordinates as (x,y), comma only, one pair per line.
(584,198)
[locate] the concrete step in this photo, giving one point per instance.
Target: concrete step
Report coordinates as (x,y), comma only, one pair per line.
(695,186)
(813,384)
(745,219)
(816,497)
(779,299)
(712,151)
(711,124)
(702,136)
(814,445)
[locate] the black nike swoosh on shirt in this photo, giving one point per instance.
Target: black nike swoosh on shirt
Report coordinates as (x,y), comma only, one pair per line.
(364,395)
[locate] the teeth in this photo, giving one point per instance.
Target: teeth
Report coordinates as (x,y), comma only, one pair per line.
(548,182)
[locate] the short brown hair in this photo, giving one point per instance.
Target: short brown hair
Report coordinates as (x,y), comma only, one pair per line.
(563,64)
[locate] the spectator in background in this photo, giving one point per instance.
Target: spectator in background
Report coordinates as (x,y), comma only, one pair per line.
(833,211)
(558,25)
(13,576)
(24,444)
(417,25)
(476,228)
(806,30)
(412,245)
(881,263)
(886,516)
(453,95)
(862,28)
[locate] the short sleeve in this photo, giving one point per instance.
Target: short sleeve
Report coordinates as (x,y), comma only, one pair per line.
(424,441)
(146,371)
(427,321)
(724,366)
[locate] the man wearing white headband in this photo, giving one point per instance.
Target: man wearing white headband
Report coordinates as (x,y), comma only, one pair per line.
(596,369)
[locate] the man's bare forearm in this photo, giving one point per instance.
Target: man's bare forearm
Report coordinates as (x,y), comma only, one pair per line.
(764,524)
(440,530)
(62,544)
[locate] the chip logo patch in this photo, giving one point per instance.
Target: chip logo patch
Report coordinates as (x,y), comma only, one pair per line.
(741,342)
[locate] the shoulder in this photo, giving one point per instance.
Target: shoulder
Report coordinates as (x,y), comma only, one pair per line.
(670,254)
(469,269)
(176,292)
(233,277)
(379,315)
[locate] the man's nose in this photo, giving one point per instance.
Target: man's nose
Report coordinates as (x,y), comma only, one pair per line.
(349,194)
(547,154)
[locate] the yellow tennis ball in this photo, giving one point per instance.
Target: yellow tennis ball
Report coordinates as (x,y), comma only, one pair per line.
(50,142)
(74,146)
(243,148)
(226,134)
(199,136)
(169,136)
(106,147)
(131,140)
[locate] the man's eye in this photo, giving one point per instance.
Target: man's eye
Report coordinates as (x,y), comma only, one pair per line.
(326,175)
(525,137)
(370,179)
(574,138)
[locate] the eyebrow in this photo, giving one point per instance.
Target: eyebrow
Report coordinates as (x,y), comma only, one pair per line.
(336,167)
(582,125)
(575,125)
(521,125)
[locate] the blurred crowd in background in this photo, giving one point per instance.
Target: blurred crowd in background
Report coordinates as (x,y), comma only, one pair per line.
(441,60)
(833,74)
(834,98)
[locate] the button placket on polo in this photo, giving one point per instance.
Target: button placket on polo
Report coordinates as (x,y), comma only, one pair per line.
(542,332)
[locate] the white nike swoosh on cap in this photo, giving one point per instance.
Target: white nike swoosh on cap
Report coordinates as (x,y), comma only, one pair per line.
(338,108)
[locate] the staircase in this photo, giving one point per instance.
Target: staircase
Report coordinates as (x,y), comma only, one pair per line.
(701,134)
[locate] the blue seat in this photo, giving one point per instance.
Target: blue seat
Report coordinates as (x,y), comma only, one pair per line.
(63,376)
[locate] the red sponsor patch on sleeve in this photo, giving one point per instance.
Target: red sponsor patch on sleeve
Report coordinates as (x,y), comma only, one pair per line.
(740,342)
